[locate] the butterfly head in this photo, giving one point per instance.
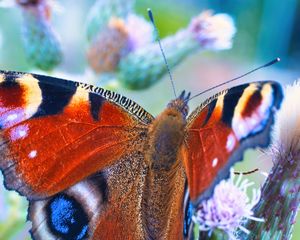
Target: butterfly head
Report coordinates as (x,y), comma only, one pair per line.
(181,103)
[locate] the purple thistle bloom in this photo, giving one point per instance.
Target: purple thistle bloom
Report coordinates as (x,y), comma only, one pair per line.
(140,32)
(117,40)
(214,32)
(228,207)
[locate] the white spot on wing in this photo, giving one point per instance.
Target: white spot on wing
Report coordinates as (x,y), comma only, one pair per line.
(215,162)
(22,133)
(230,142)
(241,130)
(12,117)
(19,132)
(253,121)
(32,154)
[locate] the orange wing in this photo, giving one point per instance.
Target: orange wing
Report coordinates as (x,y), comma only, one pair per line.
(222,128)
(54,132)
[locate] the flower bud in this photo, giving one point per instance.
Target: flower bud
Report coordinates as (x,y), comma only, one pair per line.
(119,38)
(102,12)
(214,32)
(41,43)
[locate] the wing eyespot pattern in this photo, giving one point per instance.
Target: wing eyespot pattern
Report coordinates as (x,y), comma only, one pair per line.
(239,103)
(72,214)
(247,114)
(253,103)
(66,218)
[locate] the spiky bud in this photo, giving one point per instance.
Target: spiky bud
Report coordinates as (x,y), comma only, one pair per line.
(101,13)
(41,43)
(145,66)
(106,50)
(120,37)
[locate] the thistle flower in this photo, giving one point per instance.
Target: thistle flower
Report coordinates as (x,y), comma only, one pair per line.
(41,43)
(140,32)
(145,66)
(101,13)
(280,198)
(228,207)
(118,39)
(105,52)
(214,32)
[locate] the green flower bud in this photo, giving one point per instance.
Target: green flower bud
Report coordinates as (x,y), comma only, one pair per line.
(101,13)
(145,66)
(41,43)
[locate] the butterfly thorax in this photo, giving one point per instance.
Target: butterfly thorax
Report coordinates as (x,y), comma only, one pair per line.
(165,177)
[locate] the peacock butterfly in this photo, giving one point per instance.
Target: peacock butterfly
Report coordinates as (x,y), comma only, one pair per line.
(95,165)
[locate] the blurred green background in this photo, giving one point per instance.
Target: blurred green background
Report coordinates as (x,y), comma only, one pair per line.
(265,29)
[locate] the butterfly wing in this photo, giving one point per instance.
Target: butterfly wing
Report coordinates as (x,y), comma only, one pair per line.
(106,205)
(222,128)
(74,151)
(54,132)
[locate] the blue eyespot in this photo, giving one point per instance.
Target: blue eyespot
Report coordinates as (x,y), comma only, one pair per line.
(67,219)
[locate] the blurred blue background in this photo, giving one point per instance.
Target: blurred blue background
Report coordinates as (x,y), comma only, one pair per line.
(266,29)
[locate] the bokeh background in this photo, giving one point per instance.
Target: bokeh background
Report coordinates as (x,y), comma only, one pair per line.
(265,29)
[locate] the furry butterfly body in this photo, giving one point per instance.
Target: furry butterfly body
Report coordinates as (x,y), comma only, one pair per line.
(96,165)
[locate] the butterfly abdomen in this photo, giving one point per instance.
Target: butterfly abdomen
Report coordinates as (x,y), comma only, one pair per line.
(165,178)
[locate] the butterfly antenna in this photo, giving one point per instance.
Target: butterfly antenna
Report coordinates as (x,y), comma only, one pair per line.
(161,49)
(247,173)
(276,60)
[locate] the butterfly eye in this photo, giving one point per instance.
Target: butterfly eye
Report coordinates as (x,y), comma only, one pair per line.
(185,110)
(67,219)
